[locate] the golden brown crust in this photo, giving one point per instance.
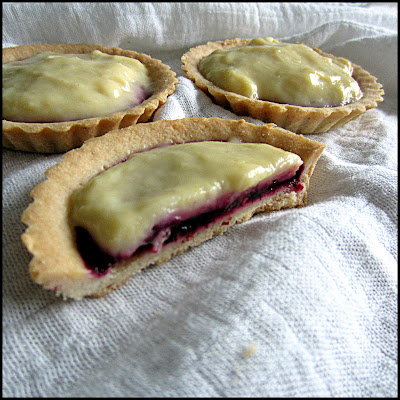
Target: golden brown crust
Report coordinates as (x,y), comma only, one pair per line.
(56,263)
(297,119)
(58,137)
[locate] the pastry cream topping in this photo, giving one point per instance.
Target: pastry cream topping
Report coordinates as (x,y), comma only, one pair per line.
(53,87)
(267,69)
(120,206)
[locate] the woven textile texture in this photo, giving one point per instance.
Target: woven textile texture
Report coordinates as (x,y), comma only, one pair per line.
(296,303)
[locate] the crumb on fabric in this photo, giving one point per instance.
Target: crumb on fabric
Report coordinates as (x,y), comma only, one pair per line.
(249,350)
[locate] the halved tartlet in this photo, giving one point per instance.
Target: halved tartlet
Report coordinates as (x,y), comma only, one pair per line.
(62,134)
(85,244)
(294,117)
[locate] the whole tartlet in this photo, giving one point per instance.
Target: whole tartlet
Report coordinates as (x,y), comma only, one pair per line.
(135,198)
(62,134)
(299,118)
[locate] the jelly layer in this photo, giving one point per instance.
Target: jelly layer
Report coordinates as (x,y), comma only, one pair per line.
(172,229)
(120,206)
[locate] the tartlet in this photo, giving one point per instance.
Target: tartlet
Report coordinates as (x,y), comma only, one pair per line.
(299,119)
(53,239)
(55,137)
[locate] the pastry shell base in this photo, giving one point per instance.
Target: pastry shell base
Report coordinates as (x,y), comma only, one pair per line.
(56,262)
(305,120)
(57,137)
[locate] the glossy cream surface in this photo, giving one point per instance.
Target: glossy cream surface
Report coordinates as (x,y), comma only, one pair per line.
(53,87)
(120,206)
(267,69)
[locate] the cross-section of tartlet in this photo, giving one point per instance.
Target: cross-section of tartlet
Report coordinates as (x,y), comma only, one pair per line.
(294,86)
(134,198)
(56,96)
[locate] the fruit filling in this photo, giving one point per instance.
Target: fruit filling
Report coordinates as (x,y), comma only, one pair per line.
(100,262)
(156,197)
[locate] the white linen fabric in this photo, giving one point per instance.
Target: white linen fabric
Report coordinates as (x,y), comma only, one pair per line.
(296,303)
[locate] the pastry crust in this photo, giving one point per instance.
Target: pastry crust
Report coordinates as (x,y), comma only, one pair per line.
(56,137)
(56,262)
(305,120)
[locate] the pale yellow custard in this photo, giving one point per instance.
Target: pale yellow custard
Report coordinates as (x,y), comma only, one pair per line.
(267,69)
(51,87)
(120,206)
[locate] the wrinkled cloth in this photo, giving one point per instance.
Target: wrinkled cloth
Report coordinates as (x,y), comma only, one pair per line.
(295,303)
